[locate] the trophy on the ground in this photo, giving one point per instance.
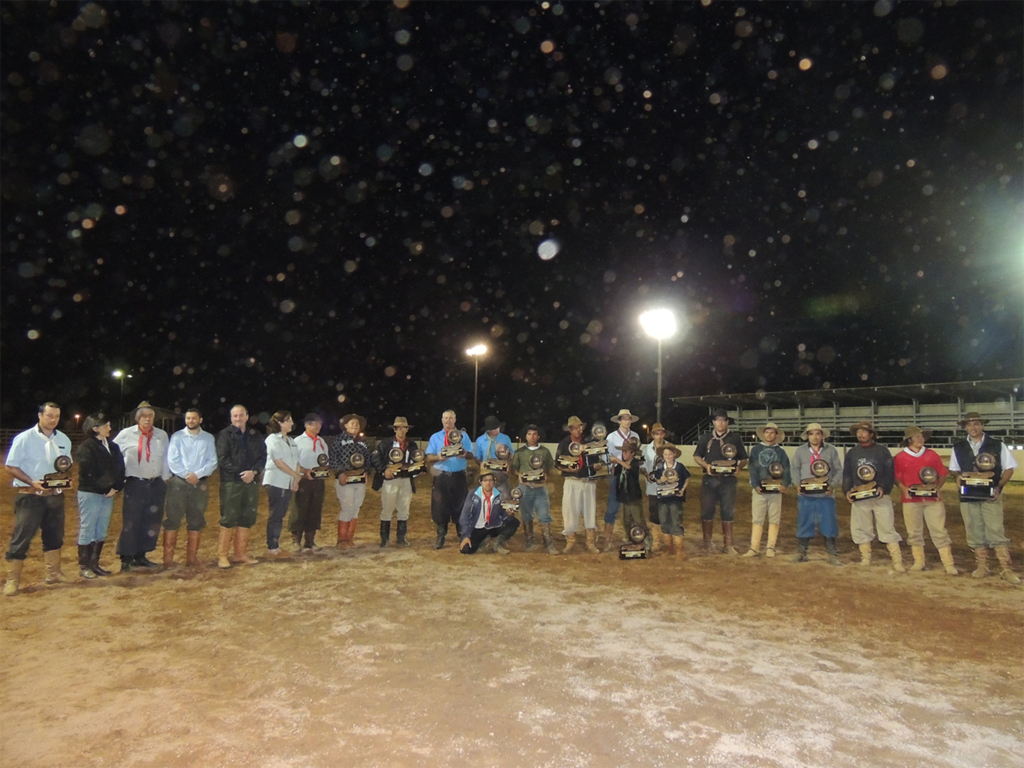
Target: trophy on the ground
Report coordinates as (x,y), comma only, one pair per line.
(727,464)
(61,477)
(636,549)
(818,483)
(598,445)
(868,489)
(418,461)
(979,484)
(535,474)
(773,483)
(395,456)
(356,474)
(669,483)
(512,505)
(321,471)
(500,463)
(454,447)
(929,485)
(572,461)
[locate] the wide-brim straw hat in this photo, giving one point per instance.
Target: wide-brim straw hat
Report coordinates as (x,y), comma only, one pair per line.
(349,416)
(625,414)
(815,426)
(865,424)
(573,422)
(655,427)
(139,407)
(401,421)
(911,431)
(674,449)
(780,437)
(971,416)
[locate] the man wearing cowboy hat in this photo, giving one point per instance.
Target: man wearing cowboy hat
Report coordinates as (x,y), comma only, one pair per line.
(876,512)
(769,451)
(670,508)
(535,501)
(307,512)
(241,457)
(983,519)
(145,487)
(651,454)
(396,488)
(449,488)
(816,510)
(615,441)
(579,492)
(486,449)
(350,495)
(918,510)
(484,519)
(718,489)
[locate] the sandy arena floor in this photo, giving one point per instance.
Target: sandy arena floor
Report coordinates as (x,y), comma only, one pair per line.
(420,658)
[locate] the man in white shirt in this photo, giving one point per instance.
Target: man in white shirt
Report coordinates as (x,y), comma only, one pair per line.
(615,440)
(307,511)
(191,459)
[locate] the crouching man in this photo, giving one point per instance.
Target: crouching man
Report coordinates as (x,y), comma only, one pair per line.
(484,521)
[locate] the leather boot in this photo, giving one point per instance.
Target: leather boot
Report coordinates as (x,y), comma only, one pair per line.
(755,540)
(549,540)
(528,533)
(727,547)
(223,544)
(570,542)
(655,538)
(242,547)
(918,553)
(981,556)
(499,545)
(773,536)
(350,534)
(403,531)
(1006,566)
(309,540)
(802,546)
(946,555)
(85,561)
(14,569)
(297,541)
(141,561)
(709,530)
(192,549)
(592,541)
(54,575)
(342,530)
(97,550)
(677,542)
(865,554)
(833,554)
(385,532)
(442,533)
(896,555)
(170,542)
(609,531)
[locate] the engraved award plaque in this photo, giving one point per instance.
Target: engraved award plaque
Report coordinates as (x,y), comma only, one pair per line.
(727,464)
(499,464)
(512,505)
(869,488)
(454,447)
(598,445)
(60,478)
(637,548)
(395,456)
(572,461)
(535,474)
(929,485)
(818,484)
(669,483)
(418,461)
(321,471)
(356,473)
(979,485)
(773,483)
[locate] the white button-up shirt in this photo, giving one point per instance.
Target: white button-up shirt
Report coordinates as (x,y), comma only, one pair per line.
(136,462)
(34,453)
(189,453)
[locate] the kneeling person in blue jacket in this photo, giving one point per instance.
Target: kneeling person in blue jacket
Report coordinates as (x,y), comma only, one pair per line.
(484,521)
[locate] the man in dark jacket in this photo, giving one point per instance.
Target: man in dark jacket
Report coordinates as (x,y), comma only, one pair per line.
(241,456)
(862,460)
(483,519)
(719,487)
(396,485)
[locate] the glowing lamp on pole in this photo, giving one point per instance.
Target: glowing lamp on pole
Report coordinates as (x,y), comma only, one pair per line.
(475,353)
(659,324)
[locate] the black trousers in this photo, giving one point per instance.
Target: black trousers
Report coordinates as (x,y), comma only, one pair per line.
(308,508)
(447,497)
(33,513)
(478,535)
(141,512)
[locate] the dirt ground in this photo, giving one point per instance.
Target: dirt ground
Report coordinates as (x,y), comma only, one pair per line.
(416,657)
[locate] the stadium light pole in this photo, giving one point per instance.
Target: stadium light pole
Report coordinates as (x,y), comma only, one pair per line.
(659,324)
(121,376)
(475,353)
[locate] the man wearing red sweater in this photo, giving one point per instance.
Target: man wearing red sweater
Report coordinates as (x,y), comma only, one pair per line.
(921,510)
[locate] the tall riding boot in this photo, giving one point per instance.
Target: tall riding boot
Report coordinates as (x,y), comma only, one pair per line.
(946,555)
(981,556)
(755,540)
(655,538)
(192,549)
(802,546)
(97,550)
(773,536)
(896,555)
(14,568)
(223,546)
(54,575)
(677,542)
(342,529)
(592,541)
(667,543)
(1006,566)
(709,530)
(297,541)
(351,533)
(549,540)
(528,533)
(728,548)
(385,532)
(403,531)
(309,540)
(918,553)
(85,561)
(170,542)
(242,547)
(833,554)
(609,531)
(570,542)
(442,533)
(865,554)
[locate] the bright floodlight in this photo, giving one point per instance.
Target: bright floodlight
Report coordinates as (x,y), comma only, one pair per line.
(479,349)
(117,374)
(658,323)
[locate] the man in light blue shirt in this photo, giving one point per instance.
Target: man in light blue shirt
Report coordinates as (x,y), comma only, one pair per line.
(486,449)
(191,458)
(449,474)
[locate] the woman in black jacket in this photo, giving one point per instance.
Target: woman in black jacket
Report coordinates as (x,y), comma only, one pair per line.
(100,476)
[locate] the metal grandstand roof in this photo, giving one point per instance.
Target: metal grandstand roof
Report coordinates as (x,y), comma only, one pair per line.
(954,391)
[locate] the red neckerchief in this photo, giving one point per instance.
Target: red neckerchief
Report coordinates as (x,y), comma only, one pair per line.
(149,440)
(401,445)
(487,501)
(316,439)
(625,435)
(446,438)
(815,454)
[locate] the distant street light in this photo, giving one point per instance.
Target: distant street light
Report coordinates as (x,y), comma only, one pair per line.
(121,375)
(475,353)
(659,324)
(77,417)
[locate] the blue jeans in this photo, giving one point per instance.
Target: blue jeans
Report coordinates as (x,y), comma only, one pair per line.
(94,510)
(816,510)
(535,503)
(279,499)
(613,502)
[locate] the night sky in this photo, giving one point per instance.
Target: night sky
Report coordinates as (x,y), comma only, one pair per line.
(321,205)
